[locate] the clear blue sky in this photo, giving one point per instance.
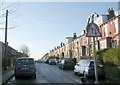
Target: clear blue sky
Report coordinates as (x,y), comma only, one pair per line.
(43,25)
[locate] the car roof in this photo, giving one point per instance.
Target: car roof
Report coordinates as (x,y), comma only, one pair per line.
(86,60)
(52,59)
(66,59)
(24,58)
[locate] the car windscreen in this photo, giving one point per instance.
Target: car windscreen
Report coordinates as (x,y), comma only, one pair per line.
(53,60)
(68,61)
(25,61)
(84,63)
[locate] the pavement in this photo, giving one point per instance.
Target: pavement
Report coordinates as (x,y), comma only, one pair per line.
(113,73)
(6,75)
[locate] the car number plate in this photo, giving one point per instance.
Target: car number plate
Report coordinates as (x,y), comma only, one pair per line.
(25,68)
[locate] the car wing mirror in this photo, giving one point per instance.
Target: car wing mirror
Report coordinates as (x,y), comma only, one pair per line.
(100,66)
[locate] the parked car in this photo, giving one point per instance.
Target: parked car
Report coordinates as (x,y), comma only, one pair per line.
(25,67)
(40,61)
(66,64)
(52,61)
(86,68)
(47,61)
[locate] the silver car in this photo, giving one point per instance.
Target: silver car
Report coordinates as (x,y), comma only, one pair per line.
(86,68)
(25,67)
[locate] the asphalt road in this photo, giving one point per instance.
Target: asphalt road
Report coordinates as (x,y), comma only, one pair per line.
(51,74)
(47,74)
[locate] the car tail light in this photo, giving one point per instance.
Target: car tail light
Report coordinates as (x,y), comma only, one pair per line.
(18,68)
(89,68)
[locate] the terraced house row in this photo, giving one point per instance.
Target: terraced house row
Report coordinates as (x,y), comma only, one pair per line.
(12,54)
(82,46)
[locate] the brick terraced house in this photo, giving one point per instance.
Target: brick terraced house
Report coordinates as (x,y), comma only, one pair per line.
(82,46)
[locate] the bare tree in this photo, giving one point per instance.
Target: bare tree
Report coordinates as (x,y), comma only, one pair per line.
(25,50)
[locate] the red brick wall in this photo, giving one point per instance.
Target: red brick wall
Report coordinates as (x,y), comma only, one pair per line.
(111,29)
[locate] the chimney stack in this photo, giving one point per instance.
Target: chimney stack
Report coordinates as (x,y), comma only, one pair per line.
(74,35)
(111,13)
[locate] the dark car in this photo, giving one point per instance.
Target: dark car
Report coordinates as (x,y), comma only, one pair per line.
(52,61)
(25,67)
(66,64)
(86,68)
(47,61)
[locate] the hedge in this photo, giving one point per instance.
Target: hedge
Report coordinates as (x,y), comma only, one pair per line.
(112,56)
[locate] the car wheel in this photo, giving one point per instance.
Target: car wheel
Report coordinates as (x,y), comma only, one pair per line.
(103,77)
(34,76)
(63,67)
(84,74)
(16,77)
(75,73)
